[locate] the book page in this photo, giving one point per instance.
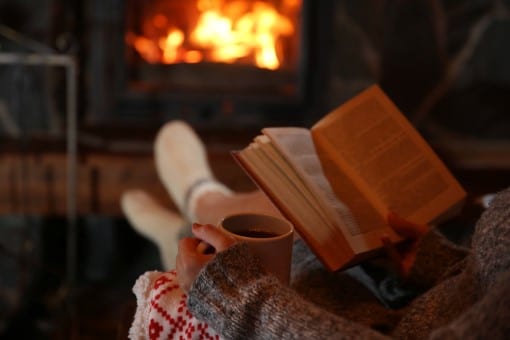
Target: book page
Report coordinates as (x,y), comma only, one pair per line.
(389,160)
(273,158)
(286,191)
(296,145)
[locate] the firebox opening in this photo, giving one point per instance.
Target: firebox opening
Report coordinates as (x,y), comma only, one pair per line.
(234,47)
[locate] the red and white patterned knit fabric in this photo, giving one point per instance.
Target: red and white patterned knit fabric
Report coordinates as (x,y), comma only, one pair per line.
(161,311)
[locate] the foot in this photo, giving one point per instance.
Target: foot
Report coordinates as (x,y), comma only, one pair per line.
(182,165)
(158,224)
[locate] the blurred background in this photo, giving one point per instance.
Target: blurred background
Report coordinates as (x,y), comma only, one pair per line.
(85,86)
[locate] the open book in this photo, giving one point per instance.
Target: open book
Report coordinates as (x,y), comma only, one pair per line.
(337,181)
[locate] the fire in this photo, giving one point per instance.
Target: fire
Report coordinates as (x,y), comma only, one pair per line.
(226,32)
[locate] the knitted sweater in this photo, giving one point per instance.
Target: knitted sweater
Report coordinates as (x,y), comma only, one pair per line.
(468,297)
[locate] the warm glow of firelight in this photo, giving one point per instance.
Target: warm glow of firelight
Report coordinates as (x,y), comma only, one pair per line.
(225,31)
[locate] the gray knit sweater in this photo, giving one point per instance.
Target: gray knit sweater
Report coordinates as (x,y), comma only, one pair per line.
(466,295)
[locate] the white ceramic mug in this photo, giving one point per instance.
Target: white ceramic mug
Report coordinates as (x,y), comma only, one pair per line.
(270,238)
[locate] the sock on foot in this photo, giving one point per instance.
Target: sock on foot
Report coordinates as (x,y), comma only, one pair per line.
(182,165)
(158,224)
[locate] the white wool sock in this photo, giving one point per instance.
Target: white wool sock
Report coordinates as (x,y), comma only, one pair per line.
(182,165)
(155,222)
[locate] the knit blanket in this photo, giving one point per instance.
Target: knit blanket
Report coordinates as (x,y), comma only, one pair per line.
(161,311)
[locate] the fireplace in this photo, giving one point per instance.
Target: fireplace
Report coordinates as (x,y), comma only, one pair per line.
(213,63)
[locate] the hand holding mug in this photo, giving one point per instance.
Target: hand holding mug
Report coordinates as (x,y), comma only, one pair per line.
(269,238)
(193,252)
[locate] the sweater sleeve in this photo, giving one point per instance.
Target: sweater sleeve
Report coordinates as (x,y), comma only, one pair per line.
(486,319)
(491,240)
(240,301)
(435,258)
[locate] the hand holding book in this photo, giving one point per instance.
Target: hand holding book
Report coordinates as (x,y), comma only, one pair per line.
(403,254)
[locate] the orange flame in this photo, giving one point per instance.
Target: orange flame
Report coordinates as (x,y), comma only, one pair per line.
(231,32)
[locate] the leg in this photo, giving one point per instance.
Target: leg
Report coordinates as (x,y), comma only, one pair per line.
(213,206)
(182,165)
(155,222)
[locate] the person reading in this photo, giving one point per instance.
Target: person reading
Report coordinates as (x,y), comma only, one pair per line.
(450,292)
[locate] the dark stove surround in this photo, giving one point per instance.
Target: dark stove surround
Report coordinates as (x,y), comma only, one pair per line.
(444,63)
(121,90)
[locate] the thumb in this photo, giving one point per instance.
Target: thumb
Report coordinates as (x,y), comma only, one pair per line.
(213,236)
